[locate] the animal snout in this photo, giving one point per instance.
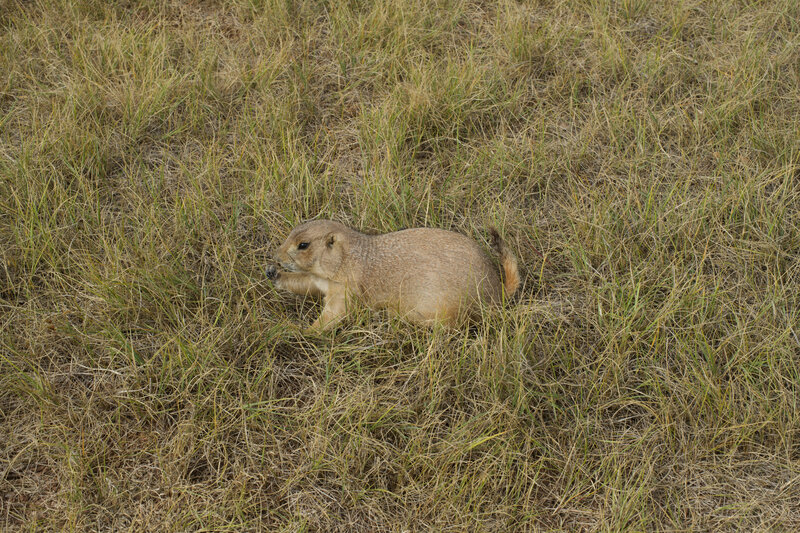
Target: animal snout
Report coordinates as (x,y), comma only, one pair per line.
(285,260)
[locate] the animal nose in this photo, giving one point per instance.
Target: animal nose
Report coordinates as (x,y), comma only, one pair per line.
(280,256)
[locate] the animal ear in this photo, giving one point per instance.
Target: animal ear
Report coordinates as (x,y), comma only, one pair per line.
(330,238)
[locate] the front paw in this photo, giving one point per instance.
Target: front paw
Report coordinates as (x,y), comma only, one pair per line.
(272,273)
(317,330)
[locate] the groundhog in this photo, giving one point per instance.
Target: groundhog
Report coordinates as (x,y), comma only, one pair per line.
(425,275)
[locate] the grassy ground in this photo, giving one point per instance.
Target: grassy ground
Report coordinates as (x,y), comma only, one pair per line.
(646,378)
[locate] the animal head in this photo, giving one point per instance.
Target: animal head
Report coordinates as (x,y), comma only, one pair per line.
(316,247)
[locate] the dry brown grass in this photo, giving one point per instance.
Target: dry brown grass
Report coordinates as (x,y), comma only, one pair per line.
(152,154)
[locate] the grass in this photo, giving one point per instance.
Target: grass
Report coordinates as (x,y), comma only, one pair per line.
(642,158)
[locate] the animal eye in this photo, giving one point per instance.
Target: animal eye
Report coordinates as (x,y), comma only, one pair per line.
(302,246)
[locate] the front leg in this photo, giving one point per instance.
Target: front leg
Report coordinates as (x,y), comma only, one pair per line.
(306,284)
(334,310)
(301,283)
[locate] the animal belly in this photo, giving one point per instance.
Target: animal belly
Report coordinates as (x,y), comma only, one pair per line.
(435,303)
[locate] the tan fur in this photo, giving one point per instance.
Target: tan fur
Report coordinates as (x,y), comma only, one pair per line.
(508,261)
(423,274)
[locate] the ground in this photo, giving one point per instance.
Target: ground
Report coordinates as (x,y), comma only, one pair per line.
(641,158)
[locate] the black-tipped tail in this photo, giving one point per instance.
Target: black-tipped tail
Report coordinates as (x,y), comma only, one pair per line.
(508,262)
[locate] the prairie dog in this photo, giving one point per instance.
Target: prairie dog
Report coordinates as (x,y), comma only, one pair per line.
(423,274)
